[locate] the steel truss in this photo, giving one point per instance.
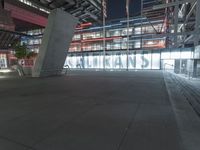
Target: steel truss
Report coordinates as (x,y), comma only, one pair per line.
(181,25)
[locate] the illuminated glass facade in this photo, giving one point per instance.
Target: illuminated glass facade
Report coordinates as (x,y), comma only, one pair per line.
(86,50)
(115,60)
(3,61)
(91,39)
(33,43)
(137,59)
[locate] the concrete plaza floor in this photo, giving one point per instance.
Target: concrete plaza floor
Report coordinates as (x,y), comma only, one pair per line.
(89,111)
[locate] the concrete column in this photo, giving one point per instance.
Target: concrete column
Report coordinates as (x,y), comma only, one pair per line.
(197,24)
(1,4)
(55,43)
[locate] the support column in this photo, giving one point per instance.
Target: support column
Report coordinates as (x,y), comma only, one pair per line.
(55,43)
(197,24)
(176,10)
(1,4)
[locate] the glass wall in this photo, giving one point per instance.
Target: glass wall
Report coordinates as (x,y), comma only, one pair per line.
(92,35)
(151,59)
(179,53)
(176,59)
(116,44)
(3,61)
(147,29)
(115,60)
(116,38)
(34,42)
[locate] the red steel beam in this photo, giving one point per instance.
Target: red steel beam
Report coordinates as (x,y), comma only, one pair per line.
(25,15)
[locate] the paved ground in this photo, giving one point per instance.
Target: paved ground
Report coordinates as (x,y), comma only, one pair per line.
(89,111)
(184,97)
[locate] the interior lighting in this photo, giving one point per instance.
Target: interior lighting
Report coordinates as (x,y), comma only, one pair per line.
(5,70)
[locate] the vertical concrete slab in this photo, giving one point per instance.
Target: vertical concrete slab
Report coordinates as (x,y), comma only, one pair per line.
(55,43)
(197,24)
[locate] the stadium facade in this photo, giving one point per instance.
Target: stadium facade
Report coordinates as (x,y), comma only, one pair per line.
(165,36)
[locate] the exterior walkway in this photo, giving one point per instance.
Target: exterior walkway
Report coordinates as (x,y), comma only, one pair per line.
(89,111)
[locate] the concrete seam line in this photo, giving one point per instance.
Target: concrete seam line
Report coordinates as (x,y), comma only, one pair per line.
(128,127)
(16,142)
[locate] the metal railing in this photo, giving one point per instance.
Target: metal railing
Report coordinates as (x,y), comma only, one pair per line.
(66,70)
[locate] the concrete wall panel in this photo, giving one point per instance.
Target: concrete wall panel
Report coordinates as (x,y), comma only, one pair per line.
(55,43)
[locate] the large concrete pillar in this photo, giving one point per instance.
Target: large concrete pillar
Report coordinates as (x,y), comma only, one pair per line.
(197,24)
(2,4)
(55,43)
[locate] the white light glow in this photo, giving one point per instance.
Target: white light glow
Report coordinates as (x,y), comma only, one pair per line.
(5,70)
(136,61)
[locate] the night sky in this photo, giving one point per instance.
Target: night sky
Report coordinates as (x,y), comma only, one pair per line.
(117,8)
